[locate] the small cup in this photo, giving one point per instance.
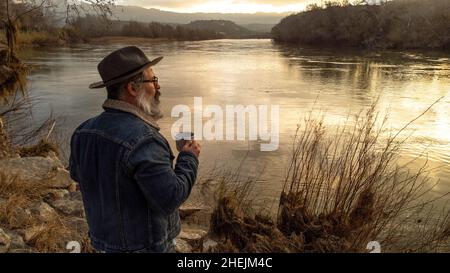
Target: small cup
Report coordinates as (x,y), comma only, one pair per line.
(182,138)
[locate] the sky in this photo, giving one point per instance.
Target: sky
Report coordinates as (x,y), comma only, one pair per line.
(222,6)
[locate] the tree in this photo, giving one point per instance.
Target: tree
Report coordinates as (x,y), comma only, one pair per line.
(14,10)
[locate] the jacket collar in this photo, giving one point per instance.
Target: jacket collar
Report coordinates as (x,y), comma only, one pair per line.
(130,108)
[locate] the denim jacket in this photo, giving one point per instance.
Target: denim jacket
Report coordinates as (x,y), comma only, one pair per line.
(131,192)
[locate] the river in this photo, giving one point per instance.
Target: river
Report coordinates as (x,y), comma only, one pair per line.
(339,83)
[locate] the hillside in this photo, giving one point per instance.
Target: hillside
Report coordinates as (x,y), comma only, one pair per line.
(397,24)
(226,28)
(127,13)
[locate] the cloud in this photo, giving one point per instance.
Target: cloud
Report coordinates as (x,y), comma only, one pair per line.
(192,4)
(274,3)
(162,3)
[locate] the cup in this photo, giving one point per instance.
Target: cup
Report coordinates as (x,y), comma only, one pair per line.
(182,138)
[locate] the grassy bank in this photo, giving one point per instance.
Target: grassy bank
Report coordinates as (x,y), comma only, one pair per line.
(343,189)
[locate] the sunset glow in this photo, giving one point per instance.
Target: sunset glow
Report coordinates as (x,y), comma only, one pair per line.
(221,6)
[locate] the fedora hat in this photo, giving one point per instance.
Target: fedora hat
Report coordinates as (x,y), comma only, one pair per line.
(121,65)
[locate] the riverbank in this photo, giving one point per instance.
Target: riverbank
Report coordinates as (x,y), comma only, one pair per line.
(41,208)
(390,25)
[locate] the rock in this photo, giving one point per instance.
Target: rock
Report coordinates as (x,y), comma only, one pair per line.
(37,169)
(192,235)
(69,207)
(181,246)
(208,244)
(55,194)
(52,155)
(30,234)
(62,178)
(22,250)
(73,187)
(5,241)
(16,241)
(19,217)
(78,224)
(43,211)
(196,215)
(186,211)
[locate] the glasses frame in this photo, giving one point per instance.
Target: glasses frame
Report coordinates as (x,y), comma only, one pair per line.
(154,80)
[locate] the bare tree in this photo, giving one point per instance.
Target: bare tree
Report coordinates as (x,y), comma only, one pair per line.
(73,9)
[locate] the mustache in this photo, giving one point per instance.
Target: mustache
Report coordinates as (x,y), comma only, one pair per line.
(157,95)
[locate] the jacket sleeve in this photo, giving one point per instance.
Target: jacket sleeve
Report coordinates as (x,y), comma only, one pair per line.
(164,188)
(72,163)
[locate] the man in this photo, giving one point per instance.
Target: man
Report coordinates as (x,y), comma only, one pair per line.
(131,192)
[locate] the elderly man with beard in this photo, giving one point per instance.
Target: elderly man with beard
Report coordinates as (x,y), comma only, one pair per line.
(124,166)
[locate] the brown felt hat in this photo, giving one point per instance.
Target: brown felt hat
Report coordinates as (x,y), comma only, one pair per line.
(122,64)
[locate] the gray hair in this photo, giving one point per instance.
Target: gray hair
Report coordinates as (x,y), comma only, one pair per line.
(115,91)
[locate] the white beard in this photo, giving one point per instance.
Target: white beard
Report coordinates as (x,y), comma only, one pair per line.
(150,105)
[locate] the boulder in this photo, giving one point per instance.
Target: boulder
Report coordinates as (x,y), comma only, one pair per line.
(73,187)
(186,211)
(69,207)
(208,245)
(181,246)
(31,233)
(43,211)
(194,237)
(37,169)
(16,241)
(5,241)
(55,194)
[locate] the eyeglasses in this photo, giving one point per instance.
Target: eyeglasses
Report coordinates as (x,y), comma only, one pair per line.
(153,80)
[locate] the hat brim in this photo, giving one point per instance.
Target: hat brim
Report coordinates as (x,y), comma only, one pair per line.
(102,84)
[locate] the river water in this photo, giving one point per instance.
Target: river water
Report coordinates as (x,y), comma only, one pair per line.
(339,83)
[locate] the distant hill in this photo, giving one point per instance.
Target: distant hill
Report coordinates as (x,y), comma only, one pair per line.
(262,28)
(226,28)
(127,13)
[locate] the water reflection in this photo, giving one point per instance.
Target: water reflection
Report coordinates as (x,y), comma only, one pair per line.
(339,82)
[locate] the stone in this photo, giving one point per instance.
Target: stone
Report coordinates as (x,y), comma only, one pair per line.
(181,246)
(5,241)
(73,187)
(55,194)
(37,169)
(208,244)
(196,216)
(44,211)
(69,207)
(20,217)
(22,250)
(31,233)
(186,211)
(192,235)
(16,240)
(78,224)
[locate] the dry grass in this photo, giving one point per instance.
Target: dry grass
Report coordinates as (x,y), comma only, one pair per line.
(342,190)
(43,149)
(18,79)
(52,233)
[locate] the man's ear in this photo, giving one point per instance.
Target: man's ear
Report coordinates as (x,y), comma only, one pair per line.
(131,90)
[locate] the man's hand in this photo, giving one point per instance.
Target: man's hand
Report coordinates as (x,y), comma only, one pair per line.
(192,146)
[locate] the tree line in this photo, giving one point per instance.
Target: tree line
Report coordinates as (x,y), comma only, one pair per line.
(396,24)
(94,26)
